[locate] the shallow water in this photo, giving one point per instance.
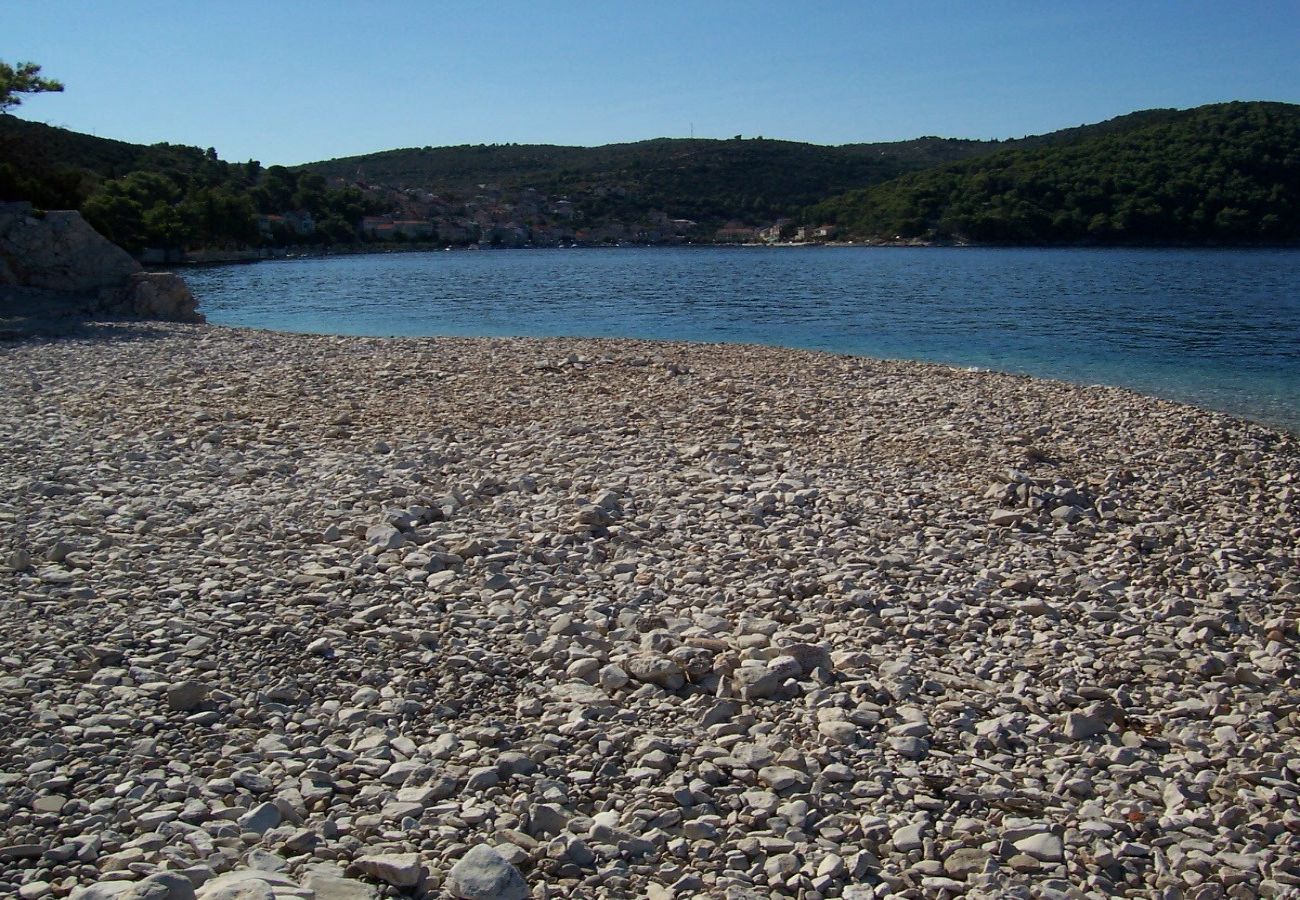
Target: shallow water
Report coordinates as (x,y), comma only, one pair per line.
(1217,328)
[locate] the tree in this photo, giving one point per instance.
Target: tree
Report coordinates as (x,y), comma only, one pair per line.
(116,216)
(24,78)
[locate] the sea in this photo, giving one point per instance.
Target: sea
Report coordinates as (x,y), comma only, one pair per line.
(1217,328)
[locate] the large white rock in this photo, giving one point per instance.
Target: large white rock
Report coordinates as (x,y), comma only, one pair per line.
(159,295)
(484,874)
(58,251)
(401,870)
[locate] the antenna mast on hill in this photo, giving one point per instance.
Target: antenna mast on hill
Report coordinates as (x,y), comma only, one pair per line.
(692,131)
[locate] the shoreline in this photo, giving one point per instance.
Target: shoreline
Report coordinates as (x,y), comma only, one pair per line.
(637,615)
(239,257)
(1260,420)
(18,322)
(21,320)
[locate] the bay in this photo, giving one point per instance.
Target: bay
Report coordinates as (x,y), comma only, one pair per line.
(1215,328)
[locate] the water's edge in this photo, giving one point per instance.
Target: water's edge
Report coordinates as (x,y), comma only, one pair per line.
(1216,329)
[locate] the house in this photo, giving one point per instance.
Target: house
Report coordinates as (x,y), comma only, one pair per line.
(454,231)
(612,233)
(735,233)
(389,228)
(298,223)
(772,233)
(504,236)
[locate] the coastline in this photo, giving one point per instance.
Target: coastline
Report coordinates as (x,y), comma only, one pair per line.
(639,614)
(234,257)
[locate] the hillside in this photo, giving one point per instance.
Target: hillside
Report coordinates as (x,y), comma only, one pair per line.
(1226,173)
(55,167)
(753,180)
(172,197)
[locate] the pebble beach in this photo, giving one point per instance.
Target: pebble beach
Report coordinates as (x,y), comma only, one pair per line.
(294,616)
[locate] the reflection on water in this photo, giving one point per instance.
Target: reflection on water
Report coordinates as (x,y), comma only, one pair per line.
(1220,328)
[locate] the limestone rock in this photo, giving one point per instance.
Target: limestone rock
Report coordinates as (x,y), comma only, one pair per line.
(1080,726)
(1044,847)
(402,870)
(159,295)
(656,670)
(185,696)
(59,251)
(162,886)
(484,874)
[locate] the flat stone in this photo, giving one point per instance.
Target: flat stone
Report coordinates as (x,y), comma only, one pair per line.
(910,747)
(336,887)
(162,886)
(1044,847)
(909,837)
(244,889)
(186,696)
(781,778)
(965,861)
(659,670)
(1079,727)
(403,870)
(261,818)
(757,682)
(102,890)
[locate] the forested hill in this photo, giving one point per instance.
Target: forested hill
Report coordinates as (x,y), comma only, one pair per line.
(1226,173)
(747,179)
(170,196)
(63,166)
(754,180)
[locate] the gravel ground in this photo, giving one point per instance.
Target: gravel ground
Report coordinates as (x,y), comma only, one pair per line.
(298,616)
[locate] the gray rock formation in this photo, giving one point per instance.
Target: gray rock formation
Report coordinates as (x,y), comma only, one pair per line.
(483,874)
(159,295)
(57,252)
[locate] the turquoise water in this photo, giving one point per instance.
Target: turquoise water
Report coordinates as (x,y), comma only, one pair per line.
(1217,328)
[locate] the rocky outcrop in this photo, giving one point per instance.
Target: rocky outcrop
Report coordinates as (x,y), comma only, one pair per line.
(159,295)
(59,253)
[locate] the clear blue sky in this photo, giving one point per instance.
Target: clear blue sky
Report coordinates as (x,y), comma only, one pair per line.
(289,82)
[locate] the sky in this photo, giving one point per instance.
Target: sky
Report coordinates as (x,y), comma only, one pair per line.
(286,82)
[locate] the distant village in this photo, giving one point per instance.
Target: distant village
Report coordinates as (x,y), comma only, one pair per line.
(492,217)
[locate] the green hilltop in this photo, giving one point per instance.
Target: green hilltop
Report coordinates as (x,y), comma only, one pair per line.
(1225,173)
(751,180)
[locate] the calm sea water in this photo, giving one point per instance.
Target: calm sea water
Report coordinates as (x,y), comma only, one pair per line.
(1217,328)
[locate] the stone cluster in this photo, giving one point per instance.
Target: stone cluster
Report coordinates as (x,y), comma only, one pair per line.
(296,616)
